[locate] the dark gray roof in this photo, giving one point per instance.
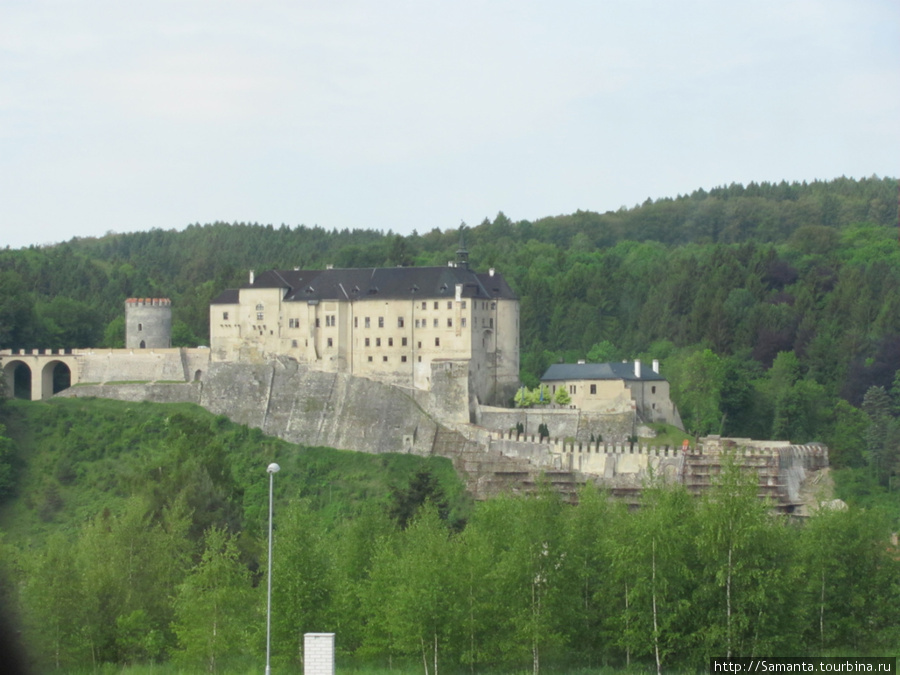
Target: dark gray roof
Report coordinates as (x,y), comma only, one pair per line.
(599,371)
(229,296)
(381,282)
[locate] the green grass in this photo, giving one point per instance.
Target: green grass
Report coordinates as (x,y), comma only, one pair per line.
(666,434)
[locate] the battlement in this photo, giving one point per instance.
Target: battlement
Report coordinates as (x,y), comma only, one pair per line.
(562,446)
(149,302)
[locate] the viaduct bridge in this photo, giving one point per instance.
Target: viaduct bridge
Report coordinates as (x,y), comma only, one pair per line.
(37,374)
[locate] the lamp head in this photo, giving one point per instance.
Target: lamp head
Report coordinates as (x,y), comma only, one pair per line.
(273,468)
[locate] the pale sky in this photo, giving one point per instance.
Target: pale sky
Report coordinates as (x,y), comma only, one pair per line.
(400,115)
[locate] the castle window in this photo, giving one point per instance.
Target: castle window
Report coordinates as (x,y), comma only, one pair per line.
(491,323)
(330,320)
(368,322)
(593,388)
(317,322)
(437,342)
(424,305)
(435,323)
(402,342)
(384,358)
(493,305)
(420,344)
(449,323)
(571,388)
(224,316)
(140,327)
(294,344)
(652,390)
(400,322)
(259,307)
(449,304)
(381,322)
(417,323)
(377,342)
(403,359)
(330,342)
(259,316)
(390,342)
(420,359)
(463,304)
(293,323)
(356,322)
(435,304)
(370,359)
(367,342)
(463,322)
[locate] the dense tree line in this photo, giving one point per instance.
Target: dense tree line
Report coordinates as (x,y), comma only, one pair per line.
(529,582)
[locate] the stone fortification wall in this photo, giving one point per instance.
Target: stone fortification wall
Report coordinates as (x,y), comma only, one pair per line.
(141,365)
(613,462)
(181,392)
(291,401)
(561,422)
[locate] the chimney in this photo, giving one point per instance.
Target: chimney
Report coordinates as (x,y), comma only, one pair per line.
(656,366)
(251,277)
(637,368)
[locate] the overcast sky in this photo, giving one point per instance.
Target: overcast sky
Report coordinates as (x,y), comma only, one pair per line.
(122,116)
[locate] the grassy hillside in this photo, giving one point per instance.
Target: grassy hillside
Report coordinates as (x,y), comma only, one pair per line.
(76,458)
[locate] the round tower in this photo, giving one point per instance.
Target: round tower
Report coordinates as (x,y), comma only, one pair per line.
(148,323)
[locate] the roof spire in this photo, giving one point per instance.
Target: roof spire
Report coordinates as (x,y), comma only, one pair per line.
(462,255)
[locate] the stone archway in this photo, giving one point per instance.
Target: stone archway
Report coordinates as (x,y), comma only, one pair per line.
(17,380)
(55,376)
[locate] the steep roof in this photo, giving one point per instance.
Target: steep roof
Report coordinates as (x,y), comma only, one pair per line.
(599,371)
(380,282)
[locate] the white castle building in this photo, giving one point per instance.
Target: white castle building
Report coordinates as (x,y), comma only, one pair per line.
(388,324)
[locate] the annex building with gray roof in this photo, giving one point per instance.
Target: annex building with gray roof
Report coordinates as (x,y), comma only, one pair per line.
(615,387)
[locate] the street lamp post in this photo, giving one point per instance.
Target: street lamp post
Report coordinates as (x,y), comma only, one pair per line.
(272,469)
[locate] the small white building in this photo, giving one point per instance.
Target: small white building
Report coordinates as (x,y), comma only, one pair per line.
(600,387)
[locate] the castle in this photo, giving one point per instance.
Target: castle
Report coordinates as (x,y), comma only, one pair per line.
(417,360)
(388,324)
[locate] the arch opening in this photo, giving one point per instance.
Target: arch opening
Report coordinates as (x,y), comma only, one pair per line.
(60,378)
(18,380)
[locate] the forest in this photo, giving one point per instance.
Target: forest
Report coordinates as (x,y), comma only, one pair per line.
(136,534)
(774,310)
